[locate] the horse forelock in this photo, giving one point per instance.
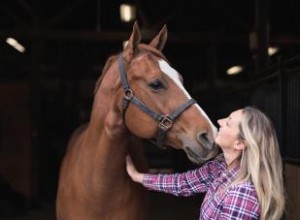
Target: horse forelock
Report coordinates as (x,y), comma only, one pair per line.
(156,52)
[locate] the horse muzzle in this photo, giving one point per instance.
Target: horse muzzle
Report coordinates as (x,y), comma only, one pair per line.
(201,155)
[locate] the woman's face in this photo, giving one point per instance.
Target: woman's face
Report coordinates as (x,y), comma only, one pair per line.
(228,133)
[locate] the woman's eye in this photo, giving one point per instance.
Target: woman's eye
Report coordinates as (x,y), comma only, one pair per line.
(156,85)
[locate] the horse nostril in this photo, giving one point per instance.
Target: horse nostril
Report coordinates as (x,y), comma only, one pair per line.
(204,140)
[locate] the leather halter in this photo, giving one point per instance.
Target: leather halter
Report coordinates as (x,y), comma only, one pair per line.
(165,122)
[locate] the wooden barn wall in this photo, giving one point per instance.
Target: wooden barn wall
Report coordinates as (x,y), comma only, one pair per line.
(291,108)
(278,96)
(15,137)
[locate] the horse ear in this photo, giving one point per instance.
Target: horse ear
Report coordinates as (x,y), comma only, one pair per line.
(160,40)
(133,42)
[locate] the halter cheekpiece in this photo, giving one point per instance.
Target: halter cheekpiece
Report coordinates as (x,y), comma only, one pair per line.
(165,122)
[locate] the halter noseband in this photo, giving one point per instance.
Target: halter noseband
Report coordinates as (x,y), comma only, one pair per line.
(165,122)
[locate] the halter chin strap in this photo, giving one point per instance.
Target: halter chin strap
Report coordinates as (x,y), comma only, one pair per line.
(165,122)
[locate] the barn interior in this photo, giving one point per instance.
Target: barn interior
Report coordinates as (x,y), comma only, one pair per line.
(47,83)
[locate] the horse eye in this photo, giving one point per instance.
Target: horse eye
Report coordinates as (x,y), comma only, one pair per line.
(156,85)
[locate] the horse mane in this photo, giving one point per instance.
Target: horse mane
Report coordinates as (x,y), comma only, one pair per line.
(107,64)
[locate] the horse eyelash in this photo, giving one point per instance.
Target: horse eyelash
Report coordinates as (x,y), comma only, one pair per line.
(155,87)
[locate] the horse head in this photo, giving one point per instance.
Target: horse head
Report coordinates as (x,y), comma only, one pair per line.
(156,104)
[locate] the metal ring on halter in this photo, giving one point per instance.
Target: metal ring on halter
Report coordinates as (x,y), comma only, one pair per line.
(128,94)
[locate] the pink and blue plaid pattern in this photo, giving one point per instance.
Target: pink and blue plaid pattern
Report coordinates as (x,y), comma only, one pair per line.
(222,200)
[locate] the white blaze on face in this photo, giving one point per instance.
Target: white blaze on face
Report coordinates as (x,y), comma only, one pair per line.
(173,74)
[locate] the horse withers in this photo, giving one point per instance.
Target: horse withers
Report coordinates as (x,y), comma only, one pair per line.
(138,96)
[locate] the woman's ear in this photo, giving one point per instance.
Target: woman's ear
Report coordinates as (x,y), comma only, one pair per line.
(239,145)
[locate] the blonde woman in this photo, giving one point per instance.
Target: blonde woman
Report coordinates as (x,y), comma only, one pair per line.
(243,182)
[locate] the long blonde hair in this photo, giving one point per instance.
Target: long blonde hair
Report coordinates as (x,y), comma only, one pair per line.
(261,162)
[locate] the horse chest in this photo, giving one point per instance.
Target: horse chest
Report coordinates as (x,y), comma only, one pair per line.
(125,202)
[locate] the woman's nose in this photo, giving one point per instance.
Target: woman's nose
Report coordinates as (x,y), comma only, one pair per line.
(220,121)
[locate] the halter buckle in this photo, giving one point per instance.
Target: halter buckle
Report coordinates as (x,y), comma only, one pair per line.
(165,123)
(128,94)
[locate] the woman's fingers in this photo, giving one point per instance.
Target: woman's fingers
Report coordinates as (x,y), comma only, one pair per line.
(129,166)
(131,170)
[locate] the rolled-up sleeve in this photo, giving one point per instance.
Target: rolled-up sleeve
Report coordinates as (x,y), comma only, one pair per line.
(184,184)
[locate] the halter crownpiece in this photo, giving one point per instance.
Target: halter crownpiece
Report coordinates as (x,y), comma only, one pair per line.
(165,122)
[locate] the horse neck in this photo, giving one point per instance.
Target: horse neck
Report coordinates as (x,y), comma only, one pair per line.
(106,132)
(106,95)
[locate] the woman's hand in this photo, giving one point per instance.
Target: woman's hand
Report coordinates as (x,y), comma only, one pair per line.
(132,172)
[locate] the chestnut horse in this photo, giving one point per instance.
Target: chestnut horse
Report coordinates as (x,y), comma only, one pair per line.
(139,96)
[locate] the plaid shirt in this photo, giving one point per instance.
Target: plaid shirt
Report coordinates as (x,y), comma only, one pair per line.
(222,200)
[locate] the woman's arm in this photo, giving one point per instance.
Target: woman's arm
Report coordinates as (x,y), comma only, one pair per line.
(178,184)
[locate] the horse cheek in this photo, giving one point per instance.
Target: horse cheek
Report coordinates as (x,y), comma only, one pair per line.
(140,124)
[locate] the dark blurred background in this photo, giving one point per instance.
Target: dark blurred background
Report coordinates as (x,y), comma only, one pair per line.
(46,91)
